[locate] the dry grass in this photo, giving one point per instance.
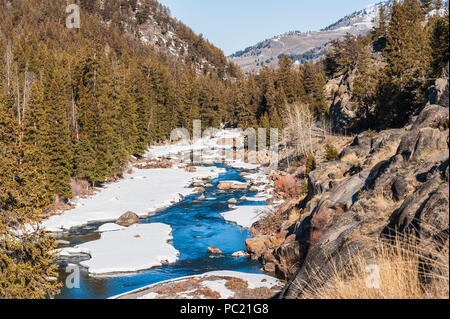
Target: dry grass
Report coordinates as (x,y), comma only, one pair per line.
(383,154)
(351,159)
(235,284)
(381,201)
(270,221)
(391,271)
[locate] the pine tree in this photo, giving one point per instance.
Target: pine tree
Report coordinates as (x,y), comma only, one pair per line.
(427,6)
(285,78)
(26,258)
(408,57)
(365,84)
(37,186)
(55,133)
(381,23)
(145,99)
(439,42)
(314,83)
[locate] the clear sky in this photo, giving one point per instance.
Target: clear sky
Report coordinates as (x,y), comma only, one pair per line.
(233,25)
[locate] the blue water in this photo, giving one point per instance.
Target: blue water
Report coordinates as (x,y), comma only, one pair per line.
(196,226)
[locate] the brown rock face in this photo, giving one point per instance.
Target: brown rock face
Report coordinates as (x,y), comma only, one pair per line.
(288,259)
(128,219)
(401,188)
(214,251)
(256,246)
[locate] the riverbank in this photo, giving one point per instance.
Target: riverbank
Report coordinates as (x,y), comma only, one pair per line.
(211,285)
(196,218)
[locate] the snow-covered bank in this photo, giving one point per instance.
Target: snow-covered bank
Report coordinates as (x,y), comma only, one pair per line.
(143,192)
(139,247)
(216,284)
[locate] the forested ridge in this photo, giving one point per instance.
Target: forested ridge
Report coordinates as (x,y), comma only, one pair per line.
(395,63)
(77,104)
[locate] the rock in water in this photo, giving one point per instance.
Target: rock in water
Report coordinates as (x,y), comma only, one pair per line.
(240,254)
(198,184)
(225,185)
(191,169)
(199,190)
(214,251)
(232,201)
(128,219)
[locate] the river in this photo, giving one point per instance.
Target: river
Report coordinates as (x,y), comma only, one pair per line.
(196,225)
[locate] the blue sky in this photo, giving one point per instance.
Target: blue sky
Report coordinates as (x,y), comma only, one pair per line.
(233,25)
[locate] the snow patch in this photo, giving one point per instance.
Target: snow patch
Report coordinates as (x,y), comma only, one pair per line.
(246,216)
(142,192)
(136,248)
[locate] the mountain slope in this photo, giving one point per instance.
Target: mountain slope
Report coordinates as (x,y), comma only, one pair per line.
(305,46)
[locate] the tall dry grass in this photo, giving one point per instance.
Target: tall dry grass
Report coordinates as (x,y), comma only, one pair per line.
(390,271)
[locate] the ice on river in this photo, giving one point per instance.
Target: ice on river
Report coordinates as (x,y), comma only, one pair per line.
(142,192)
(246,216)
(136,248)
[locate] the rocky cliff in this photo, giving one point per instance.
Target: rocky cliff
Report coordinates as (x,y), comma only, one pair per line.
(382,183)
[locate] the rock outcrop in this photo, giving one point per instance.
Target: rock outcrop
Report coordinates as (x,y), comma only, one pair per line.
(395,181)
(342,110)
(391,182)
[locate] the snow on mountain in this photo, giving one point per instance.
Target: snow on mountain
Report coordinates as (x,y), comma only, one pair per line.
(303,46)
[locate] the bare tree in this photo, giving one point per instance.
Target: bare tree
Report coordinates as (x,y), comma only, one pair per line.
(299,127)
(8,60)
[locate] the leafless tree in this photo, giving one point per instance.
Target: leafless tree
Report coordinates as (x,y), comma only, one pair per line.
(299,128)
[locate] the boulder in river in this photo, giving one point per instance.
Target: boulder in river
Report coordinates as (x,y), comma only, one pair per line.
(232,201)
(225,185)
(214,251)
(191,169)
(198,184)
(199,190)
(128,219)
(239,186)
(240,254)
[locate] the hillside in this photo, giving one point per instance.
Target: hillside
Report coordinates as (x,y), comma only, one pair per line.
(305,46)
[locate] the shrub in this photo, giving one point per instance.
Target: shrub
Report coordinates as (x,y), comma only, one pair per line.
(445,124)
(371,133)
(331,152)
(311,163)
(304,190)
